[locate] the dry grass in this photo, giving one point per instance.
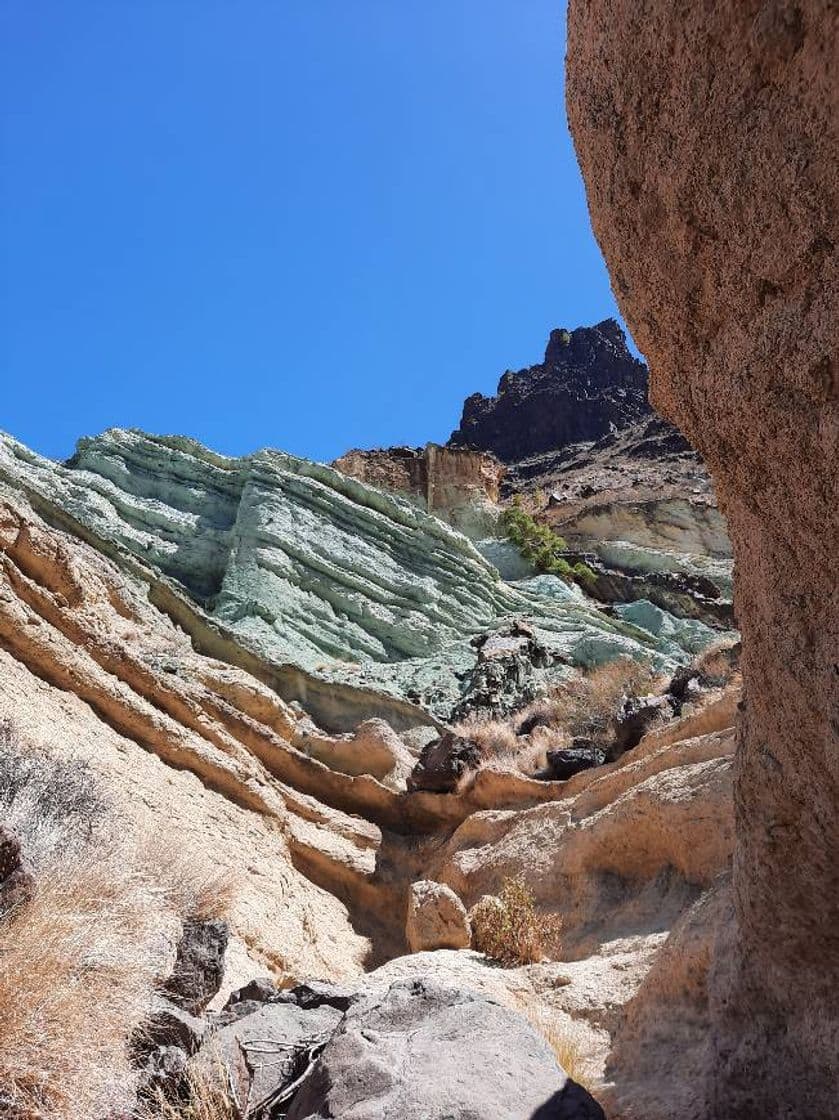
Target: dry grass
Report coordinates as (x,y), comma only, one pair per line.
(186,882)
(717,664)
(509,929)
(568,1042)
(207,1097)
(585,705)
(79,967)
(82,958)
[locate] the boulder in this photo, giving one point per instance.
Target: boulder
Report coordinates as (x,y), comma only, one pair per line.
(636,717)
(421,1051)
(506,673)
(277,1041)
(437,919)
(565,762)
(169,1025)
(199,964)
(444,763)
(163,1072)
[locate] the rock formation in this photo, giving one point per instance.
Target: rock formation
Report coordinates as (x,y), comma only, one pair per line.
(150,597)
(349,600)
(707,137)
(459,486)
(588,385)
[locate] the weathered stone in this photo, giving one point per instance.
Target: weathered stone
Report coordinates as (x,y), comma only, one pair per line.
(318,993)
(386,1061)
(260,990)
(444,763)
(460,486)
(349,599)
(588,384)
(199,965)
(275,1040)
(169,1025)
(707,136)
(506,675)
(564,763)
(436,919)
(636,717)
(163,1072)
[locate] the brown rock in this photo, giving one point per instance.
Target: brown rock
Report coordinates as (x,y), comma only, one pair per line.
(16,880)
(707,135)
(437,918)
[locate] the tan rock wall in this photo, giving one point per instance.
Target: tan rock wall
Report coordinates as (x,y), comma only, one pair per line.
(708,138)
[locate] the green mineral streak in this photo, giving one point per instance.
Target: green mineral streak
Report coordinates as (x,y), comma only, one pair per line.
(308,567)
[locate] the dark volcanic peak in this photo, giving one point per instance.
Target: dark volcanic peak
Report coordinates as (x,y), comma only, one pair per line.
(588,385)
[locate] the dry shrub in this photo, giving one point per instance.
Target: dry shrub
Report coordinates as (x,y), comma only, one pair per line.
(568,1041)
(208,1096)
(495,738)
(509,929)
(717,664)
(585,705)
(82,958)
(79,967)
(186,881)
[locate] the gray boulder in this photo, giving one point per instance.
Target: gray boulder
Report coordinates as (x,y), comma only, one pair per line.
(277,1041)
(420,1051)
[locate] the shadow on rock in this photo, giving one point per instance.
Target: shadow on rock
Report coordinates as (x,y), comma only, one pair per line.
(572,1102)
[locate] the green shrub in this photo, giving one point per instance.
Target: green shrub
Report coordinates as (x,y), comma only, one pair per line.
(541,546)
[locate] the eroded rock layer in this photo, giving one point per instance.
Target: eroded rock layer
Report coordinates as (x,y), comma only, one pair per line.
(350,600)
(707,136)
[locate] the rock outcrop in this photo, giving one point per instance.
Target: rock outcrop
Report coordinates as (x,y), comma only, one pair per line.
(459,486)
(385,1062)
(436,919)
(588,385)
(350,601)
(707,137)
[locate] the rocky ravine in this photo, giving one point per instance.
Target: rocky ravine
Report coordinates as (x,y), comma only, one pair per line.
(140,629)
(707,138)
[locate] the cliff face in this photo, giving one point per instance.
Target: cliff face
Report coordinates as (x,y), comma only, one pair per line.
(456,484)
(588,384)
(707,137)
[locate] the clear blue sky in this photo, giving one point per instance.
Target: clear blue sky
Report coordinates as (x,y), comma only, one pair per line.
(308,224)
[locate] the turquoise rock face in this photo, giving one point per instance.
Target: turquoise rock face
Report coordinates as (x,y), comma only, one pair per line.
(304,566)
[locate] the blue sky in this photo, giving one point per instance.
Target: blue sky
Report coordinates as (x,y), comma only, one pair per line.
(308,224)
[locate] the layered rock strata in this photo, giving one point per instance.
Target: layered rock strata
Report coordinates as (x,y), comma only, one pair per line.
(707,138)
(351,601)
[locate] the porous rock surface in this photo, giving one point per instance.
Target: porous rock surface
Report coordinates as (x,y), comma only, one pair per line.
(707,137)
(386,1061)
